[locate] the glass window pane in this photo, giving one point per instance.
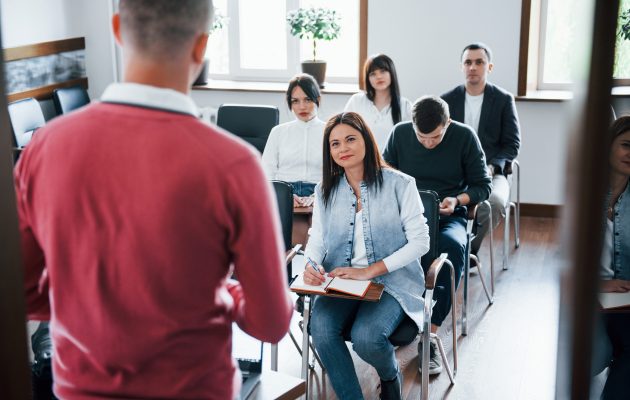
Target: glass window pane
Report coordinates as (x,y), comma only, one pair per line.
(263,42)
(559,41)
(341,54)
(218,43)
(622,50)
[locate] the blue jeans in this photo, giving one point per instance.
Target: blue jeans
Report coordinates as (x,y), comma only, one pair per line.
(370,324)
(302,188)
(451,240)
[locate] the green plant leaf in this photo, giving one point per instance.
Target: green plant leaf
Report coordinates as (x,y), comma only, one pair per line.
(314,24)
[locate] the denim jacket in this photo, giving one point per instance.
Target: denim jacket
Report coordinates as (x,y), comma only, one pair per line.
(383,233)
(621,236)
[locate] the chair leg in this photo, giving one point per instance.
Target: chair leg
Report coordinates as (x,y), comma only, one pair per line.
(517,223)
(274,357)
(517,207)
(305,342)
(453,319)
(506,237)
(491,233)
(465,303)
(483,280)
(450,373)
(311,365)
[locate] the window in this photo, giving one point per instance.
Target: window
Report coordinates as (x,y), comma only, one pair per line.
(558,46)
(255,44)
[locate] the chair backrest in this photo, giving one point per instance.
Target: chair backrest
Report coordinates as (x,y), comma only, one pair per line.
(407,330)
(431,203)
(70,98)
(249,122)
(26,116)
(284,196)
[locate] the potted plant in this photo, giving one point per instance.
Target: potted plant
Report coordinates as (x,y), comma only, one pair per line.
(219,22)
(314,24)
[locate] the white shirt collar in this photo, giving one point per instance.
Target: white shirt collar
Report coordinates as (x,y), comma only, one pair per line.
(307,124)
(151,97)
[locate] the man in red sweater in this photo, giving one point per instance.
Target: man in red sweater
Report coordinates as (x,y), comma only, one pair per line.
(134,214)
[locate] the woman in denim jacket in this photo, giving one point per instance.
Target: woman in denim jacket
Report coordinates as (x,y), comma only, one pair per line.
(615,272)
(368,223)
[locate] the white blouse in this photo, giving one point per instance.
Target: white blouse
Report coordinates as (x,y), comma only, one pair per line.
(294,151)
(380,122)
(606,271)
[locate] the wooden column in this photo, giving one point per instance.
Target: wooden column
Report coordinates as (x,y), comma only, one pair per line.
(583,220)
(14,374)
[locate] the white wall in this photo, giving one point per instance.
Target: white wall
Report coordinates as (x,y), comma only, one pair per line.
(424,37)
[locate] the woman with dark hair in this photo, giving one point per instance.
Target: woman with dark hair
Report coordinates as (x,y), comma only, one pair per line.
(368,224)
(293,150)
(615,270)
(381,105)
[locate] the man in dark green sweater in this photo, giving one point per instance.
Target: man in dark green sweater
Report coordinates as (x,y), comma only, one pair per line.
(444,156)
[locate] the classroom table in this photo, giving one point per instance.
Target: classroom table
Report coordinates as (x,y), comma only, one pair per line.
(302,219)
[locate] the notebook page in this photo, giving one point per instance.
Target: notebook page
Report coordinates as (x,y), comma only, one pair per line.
(299,284)
(349,286)
(614,300)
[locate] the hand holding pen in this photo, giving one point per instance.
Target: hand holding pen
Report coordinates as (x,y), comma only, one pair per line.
(314,274)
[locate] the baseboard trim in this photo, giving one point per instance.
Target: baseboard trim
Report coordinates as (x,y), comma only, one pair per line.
(540,210)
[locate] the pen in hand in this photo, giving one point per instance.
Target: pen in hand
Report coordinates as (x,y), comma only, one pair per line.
(313,265)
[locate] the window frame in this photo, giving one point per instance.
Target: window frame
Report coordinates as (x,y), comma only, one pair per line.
(238,73)
(531,52)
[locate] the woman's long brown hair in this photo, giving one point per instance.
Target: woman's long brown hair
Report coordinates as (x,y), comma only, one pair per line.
(373,163)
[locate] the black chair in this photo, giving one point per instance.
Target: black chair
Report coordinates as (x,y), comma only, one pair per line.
(252,123)
(70,98)
(26,117)
(284,198)
(471,232)
(512,168)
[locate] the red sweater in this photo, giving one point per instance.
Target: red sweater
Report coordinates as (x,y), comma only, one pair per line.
(131,220)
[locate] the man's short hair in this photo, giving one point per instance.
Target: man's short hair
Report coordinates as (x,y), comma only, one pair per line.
(162,27)
(477,46)
(429,112)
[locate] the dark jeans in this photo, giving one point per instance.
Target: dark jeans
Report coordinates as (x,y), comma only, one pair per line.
(302,188)
(451,240)
(618,382)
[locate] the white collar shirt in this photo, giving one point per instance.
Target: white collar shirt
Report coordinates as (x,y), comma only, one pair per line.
(472,110)
(150,97)
(380,122)
(293,151)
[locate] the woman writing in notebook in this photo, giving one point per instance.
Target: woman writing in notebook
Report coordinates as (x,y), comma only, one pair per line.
(293,152)
(381,105)
(368,224)
(615,271)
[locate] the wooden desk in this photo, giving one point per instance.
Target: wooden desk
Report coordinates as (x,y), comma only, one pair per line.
(302,219)
(374,293)
(278,386)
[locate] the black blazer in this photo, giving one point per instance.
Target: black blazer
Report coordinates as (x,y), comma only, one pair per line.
(499,130)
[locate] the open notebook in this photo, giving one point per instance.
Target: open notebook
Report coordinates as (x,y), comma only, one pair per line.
(614,300)
(339,285)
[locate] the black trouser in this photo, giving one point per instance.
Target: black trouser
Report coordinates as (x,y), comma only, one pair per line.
(452,240)
(41,370)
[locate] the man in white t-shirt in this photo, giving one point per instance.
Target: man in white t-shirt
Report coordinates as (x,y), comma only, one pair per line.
(491,112)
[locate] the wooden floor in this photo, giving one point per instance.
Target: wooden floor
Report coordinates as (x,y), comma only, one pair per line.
(510,350)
